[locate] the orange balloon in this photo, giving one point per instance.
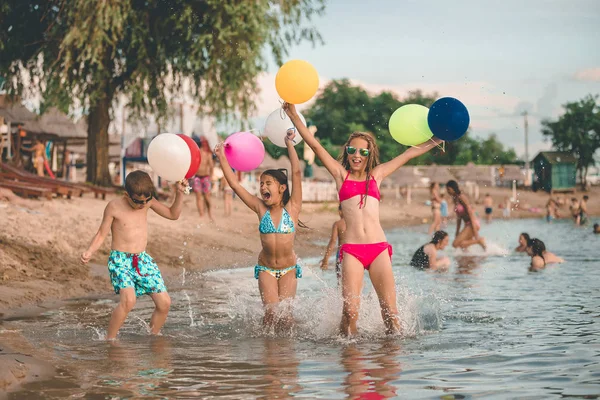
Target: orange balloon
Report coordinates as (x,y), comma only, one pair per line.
(297,81)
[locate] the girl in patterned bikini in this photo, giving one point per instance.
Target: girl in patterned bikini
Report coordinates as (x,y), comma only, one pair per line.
(277,210)
(358,175)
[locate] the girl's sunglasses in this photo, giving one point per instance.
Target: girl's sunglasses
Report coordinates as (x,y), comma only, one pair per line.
(362,152)
(140,202)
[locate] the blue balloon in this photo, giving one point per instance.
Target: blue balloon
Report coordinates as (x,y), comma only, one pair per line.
(448,119)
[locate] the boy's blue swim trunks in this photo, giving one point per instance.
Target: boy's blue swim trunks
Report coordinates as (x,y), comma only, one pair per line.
(138,271)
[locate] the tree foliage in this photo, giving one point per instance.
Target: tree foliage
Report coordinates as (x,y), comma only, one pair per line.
(150,51)
(342,108)
(577,131)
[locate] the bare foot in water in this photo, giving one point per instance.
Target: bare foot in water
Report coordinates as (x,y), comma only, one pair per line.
(482,243)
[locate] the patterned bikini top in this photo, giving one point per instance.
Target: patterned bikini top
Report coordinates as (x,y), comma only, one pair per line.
(286,225)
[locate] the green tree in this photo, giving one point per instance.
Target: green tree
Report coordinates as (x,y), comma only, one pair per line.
(342,108)
(94,51)
(577,131)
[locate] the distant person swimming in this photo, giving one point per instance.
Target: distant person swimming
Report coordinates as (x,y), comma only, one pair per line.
(523,243)
(596,228)
(426,256)
(540,257)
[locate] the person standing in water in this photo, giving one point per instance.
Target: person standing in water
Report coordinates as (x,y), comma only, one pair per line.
(426,256)
(338,231)
(434,193)
(132,271)
(488,204)
(358,175)
(277,270)
(582,218)
(444,210)
(464,212)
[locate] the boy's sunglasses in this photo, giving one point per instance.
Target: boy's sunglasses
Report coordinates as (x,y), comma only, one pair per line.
(362,152)
(140,202)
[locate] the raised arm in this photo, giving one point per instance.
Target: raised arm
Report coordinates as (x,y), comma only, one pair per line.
(296,196)
(335,168)
(107,220)
(383,170)
(250,200)
(174,211)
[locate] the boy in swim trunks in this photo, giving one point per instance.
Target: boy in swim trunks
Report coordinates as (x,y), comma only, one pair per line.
(132,271)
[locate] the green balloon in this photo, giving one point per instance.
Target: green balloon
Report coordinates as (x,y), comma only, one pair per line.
(408,125)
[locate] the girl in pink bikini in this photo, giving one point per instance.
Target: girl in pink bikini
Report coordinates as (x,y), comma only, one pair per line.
(358,175)
(464,212)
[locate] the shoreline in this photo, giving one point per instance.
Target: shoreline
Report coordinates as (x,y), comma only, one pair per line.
(40,249)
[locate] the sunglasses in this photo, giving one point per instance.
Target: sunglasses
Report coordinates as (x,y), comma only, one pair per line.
(140,202)
(362,152)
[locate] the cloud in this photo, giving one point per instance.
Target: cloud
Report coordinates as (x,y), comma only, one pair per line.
(588,75)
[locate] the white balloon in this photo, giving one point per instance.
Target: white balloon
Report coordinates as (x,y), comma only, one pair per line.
(276,127)
(169,156)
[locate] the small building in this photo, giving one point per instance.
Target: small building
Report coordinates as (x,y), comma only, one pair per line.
(554,171)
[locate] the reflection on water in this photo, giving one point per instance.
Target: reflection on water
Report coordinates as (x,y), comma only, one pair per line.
(486,328)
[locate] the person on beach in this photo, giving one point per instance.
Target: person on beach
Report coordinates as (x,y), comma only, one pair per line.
(133,273)
(523,243)
(464,212)
(426,256)
(488,204)
(202,181)
(338,231)
(227,196)
(507,206)
(582,217)
(444,211)
(277,270)
(434,194)
(540,257)
(358,176)
(38,155)
(575,210)
(551,210)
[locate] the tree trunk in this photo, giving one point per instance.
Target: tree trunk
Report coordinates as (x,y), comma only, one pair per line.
(97,148)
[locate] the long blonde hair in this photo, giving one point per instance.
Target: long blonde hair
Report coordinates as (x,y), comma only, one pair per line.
(372,159)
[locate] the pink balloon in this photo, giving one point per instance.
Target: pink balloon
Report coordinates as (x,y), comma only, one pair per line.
(244,151)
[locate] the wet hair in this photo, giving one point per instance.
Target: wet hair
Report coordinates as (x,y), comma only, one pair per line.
(527,237)
(372,159)
(139,183)
(596,226)
(280,175)
(586,197)
(438,237)
(452,184)
(537,248)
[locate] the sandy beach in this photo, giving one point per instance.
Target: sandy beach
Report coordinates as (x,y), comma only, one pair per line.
(41,242)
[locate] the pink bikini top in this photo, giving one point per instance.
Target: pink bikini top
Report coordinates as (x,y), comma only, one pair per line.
(357,188)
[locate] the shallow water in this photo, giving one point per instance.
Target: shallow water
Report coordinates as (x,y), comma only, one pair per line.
(487,328)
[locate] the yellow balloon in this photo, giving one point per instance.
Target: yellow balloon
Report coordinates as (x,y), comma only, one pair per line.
(297,81)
